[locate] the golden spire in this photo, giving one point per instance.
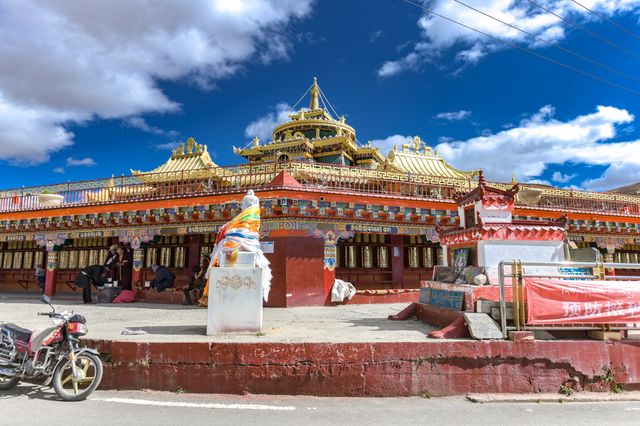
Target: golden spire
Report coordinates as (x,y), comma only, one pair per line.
(513,178)
(314,104)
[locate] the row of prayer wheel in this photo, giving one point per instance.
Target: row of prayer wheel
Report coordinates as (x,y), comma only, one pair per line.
(171,257)
(21,259)
(90,242)
(19,245)
(418,257)
(78,259)
(626,257)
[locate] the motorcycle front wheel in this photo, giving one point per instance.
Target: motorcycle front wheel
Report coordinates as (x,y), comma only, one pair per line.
(7,383)
(89,375)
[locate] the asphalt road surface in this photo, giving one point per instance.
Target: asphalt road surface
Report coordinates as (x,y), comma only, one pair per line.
(32,405)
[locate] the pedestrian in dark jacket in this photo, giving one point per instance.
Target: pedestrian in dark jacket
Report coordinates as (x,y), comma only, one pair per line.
(164,278)
(41,277)
(125,267)
(94,274)
(111,262)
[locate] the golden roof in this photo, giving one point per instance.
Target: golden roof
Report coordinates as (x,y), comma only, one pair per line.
(422,161)
(189,160)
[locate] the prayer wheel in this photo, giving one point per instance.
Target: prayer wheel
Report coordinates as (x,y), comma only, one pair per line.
(365,238)
(1,259)
(83,258)
(102,255)
(93,257)
(8,260)
(351,257)
(165,256)
(64,260)
(367,257)
(179,257)
(427,257)
(383,257)
(27,261)
(414,259)
(338,255)
(626,258)
(17,260)
(440,256)
(374,238)
(150,257)
(73,259)
(634,257)
(358,238)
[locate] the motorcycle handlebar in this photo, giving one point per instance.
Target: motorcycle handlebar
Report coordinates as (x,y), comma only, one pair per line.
(46,314)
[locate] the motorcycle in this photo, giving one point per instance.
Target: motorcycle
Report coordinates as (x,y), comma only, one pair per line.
(52,355)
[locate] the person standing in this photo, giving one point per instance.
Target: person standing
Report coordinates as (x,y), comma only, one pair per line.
(93,274)
(164,278)
(111,262)
(41,277)
(125,266)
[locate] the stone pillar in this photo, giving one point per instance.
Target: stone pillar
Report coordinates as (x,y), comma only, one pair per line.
(136,273)
(397,260)
(50,278)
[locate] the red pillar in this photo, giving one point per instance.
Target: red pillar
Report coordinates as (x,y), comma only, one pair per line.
(194,251)
(329,267)
(50,278)
(136,273)
(397,260)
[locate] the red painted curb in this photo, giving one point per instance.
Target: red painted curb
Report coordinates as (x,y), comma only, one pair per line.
(445,367)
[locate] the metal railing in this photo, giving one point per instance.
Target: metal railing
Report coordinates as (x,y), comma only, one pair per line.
(517,274)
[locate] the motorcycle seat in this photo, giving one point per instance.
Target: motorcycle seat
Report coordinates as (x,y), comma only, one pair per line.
(18,333)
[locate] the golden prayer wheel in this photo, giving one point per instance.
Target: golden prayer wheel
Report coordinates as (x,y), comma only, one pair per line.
(64,260)
(83,258)
(414,259)
(338,254)
(181,239)
(440,256)
(358,238)
(102,255)
(367,257)
(165,256)
(93,257)
(374,238)
(38,258)
(351,257)
(179,257)
(73,259)
(365,238)
(8,260)
(427,257)
(27,262)
(150,257)
(174,239)
(17,260)
(383,257)
(634,257)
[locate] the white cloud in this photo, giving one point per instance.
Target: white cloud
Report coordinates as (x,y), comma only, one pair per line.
(541,140)
(439,35)
(453,115)
(83,162)
(168,145)
(562,178)
(59,170)
(140,124)
(263,126)
(388,143)
(374,36)
(63,62)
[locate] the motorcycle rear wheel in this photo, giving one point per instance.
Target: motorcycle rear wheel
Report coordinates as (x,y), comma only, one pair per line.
(89,367)
(7,383)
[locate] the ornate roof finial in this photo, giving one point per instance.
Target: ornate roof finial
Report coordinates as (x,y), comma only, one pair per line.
(256,141)
(513,178)
(416,143)
(481,181)
(314,104)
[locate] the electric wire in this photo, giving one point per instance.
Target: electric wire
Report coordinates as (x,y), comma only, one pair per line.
(582,28)
(549,43)
(524,49)
(610,21)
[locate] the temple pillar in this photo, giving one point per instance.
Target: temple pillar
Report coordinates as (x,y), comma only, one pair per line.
(329,265)
(50,277)
(397,260)
(136,272)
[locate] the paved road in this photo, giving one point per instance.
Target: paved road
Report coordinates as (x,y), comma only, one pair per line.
(30,405)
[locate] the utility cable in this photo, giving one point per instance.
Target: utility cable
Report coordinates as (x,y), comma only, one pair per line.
(582,28)
(610,21)
(524,49)
(557,46)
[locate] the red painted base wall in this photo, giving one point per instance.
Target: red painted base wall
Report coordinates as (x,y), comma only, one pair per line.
(449,367)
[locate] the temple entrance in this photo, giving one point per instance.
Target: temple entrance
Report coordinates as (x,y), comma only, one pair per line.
(380,261)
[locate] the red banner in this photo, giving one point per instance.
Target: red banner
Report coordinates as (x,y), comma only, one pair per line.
(554,301)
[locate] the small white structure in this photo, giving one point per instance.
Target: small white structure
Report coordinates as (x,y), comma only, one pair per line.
(235,296)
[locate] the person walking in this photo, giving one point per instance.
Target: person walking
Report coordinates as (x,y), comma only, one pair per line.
(93,274)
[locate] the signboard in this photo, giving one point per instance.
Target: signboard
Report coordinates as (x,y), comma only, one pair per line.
(267,246)
(447,299)
(378,229)
(554,301)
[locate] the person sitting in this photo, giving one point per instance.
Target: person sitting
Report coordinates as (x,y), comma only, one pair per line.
(193,290)
(164,278)
(93,274)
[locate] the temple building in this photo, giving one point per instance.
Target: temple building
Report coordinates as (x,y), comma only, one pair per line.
(331,207)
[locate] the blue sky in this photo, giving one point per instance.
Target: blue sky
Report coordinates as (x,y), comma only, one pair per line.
(94,92)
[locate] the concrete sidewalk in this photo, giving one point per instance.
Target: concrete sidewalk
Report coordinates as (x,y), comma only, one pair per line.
(173,323)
